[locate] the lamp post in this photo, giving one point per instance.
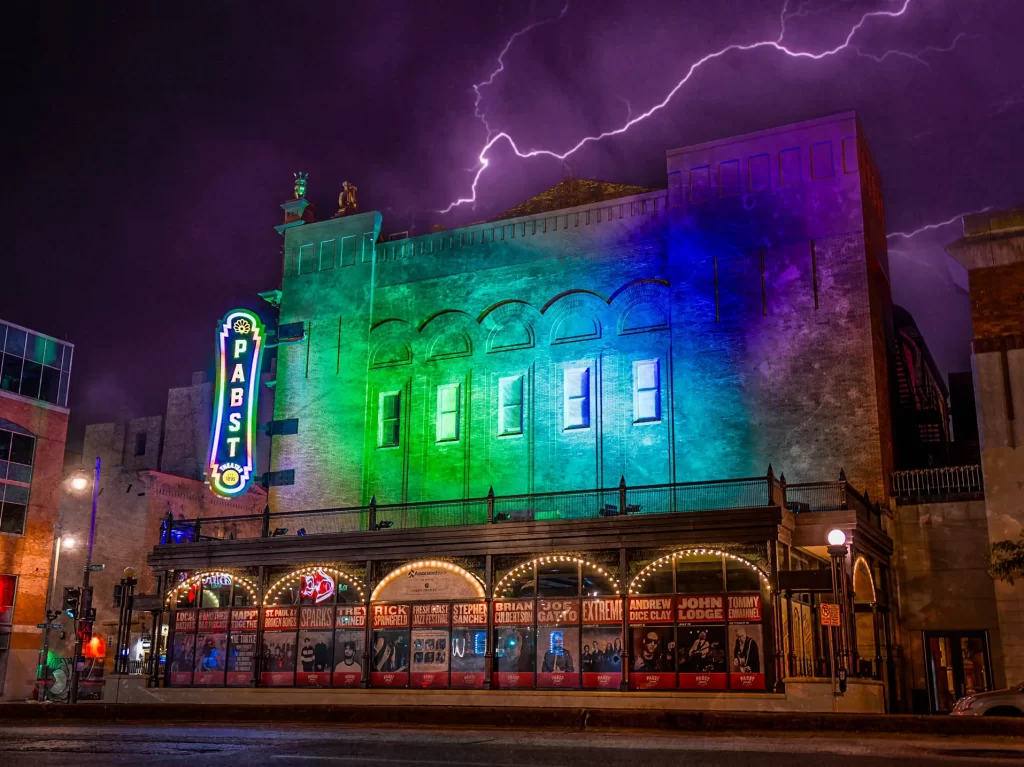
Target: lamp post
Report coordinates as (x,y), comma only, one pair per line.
(86,602)
(77,482)
(124,623)
(837,553)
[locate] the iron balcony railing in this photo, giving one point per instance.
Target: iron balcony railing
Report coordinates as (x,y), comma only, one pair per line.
(624,500)
(932,483)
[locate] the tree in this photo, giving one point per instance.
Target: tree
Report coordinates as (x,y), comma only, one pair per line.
(1006,560)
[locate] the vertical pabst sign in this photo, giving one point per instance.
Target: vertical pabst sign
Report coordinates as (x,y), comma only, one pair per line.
(232,462)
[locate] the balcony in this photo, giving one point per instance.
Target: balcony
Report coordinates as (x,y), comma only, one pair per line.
(943,484)
(622,502)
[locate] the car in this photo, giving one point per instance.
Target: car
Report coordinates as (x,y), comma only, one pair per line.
(1008,702)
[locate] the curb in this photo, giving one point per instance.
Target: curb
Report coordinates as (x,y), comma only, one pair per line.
(511,717)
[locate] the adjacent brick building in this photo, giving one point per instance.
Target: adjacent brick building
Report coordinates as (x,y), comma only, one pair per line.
(35,372)
(992,250)
(152,467)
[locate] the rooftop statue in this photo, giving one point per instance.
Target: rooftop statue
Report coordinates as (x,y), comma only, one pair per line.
(300,184)
(347,200)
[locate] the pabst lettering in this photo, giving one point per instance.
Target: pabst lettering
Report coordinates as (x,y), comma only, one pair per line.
(389,678)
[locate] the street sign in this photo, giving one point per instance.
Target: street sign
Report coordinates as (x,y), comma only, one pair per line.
(41,625)
(56,626)
(96,568)
(829,614)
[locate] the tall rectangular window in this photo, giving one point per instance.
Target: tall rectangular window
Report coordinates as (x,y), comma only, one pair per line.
(448,413)
(510,405)
(140,443)
(646,391)
(389,419)
(576,394)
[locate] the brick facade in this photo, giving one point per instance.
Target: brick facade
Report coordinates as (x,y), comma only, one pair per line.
(28,556)
(756,282)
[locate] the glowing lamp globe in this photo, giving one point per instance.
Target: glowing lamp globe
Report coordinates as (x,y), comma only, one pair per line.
(836,537)
(79,483)
(68,541)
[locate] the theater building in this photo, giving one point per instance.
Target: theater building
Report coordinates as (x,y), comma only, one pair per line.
(596,443)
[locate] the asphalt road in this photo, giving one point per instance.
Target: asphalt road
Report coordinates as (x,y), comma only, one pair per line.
(225,746)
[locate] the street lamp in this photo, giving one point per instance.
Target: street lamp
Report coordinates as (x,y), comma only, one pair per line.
(77,482)
(837,552)
(86,604)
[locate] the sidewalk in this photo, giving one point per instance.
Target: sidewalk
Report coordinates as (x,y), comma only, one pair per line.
(512,717)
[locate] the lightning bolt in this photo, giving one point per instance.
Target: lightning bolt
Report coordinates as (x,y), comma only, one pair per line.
(938,225)
(483,162)
(478,87)
(916,55)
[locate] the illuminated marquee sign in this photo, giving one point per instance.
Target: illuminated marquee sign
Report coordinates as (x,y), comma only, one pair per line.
(233,440)
(318,586)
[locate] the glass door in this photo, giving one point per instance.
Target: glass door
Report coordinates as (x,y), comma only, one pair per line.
(957,664)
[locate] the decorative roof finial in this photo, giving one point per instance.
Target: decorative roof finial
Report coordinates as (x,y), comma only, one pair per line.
(347,200)
(300,184)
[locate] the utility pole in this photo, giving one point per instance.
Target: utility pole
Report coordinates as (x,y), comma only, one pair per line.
(86,603)
(50,615)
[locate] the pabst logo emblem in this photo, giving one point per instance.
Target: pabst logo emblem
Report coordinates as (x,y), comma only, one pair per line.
(513,678)
(389,678)
(319,586)
(703,680)
(652,681)
(428,678)
(468,678)
(746,681)
(557,678)
(603,679)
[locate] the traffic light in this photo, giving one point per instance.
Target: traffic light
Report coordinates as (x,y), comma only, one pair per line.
(72,602)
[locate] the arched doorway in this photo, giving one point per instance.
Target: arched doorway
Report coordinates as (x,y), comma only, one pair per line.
(212,640)
(314,629)
(696,620)
(558,624)
(429,627)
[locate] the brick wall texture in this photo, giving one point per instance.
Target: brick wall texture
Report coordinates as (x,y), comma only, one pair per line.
(749,283)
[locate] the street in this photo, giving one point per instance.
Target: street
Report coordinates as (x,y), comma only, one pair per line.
(280,746)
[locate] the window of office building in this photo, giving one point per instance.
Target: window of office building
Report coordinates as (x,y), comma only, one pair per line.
(33,365)
(17,454)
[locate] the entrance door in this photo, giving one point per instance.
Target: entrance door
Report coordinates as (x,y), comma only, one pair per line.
(958,664)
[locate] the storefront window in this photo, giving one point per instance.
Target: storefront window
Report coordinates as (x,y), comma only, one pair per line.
(468,645)
(699,575)
(710,637)
(558,643)
(558,579)
(211,647)
(741,577)
(349,645)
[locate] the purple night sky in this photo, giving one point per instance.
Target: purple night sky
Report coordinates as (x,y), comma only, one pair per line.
(153,143)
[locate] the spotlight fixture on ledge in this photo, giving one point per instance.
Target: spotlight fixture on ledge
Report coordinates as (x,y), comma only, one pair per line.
(301,531)
(384,524)
(502,516)
(279,531)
